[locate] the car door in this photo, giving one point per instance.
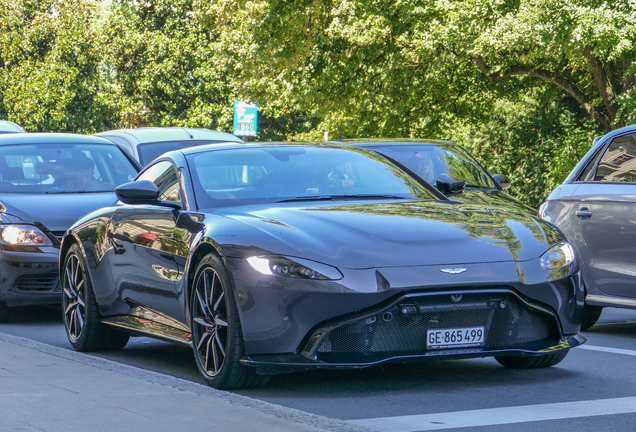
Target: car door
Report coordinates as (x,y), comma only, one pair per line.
(603,218)
(145,245)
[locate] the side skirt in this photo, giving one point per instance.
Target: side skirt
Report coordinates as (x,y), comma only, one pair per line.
(147,322)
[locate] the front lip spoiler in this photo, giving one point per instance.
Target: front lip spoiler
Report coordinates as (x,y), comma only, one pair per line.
(283,363)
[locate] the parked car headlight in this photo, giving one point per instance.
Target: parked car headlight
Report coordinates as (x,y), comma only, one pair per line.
(557,256)
(296,268)
(23,235)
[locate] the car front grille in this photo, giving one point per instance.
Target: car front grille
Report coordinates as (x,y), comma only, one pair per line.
(38,282)
(401,328)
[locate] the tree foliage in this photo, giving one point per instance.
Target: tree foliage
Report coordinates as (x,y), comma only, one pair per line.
(524,84)
(48,65)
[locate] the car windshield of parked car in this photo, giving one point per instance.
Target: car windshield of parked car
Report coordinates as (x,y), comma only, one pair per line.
(297,173)
(63,168)
(151,151)
(429,161)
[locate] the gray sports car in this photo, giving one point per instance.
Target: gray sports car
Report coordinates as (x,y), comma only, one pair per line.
(267,258)
(596,208)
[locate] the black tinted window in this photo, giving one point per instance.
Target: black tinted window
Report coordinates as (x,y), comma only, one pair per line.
(151,151)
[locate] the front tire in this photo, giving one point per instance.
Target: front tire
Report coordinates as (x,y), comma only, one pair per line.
(82,319)
(217,338)
(534,362)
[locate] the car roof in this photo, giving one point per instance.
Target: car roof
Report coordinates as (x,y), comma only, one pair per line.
(7,126)
(162,134)
(51,138)
(373,142)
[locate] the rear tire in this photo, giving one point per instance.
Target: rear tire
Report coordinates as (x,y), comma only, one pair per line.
(591,314)
(534,362)
(217,338)
(82,319)
(5,312)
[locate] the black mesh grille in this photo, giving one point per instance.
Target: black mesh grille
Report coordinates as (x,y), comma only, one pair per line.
(37,282)
(401,329)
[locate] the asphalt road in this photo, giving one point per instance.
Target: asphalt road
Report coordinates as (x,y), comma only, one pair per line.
(593,389)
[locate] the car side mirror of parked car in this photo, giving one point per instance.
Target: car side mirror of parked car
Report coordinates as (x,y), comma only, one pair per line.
(142,192)
(502,181)
(446,185)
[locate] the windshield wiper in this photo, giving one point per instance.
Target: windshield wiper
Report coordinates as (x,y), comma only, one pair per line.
(308,198)
(75,192)
(371,196)
(475,186)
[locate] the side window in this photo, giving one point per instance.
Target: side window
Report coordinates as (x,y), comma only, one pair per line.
(618,163)
(164,176)
(588,172)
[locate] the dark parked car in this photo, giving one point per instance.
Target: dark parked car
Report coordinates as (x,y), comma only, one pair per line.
(266,258)
(47,182)
(148,143)
(447,166)
(596,208)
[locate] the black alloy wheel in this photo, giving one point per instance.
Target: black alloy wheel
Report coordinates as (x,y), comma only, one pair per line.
(82,319)
(217,338)
(531,362)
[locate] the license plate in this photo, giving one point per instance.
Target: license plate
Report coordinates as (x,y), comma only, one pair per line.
(454,338)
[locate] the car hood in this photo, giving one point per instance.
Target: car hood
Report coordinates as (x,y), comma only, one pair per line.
(389,234)
(57,212)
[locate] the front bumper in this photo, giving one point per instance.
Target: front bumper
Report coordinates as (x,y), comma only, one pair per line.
(280,315)
(397,330)
(28,277)
(283,363)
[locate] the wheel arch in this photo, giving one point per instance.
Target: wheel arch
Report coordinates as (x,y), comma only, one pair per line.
(68,241)
(205,247)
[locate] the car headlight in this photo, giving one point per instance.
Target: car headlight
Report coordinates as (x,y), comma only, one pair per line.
(557,256)
(296,268)
(23,235)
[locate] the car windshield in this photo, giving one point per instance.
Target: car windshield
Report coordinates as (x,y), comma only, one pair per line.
(63,168)
(151,151)
(297,173)
(429,161)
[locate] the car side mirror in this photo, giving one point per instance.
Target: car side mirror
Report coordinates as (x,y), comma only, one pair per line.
(142,192)
(502,181)
(446,185)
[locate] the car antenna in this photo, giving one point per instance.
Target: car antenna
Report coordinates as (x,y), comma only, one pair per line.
(186,131)
(340,132)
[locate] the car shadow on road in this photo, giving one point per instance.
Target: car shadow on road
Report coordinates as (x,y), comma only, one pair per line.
(30,315)
(436,376)
(625,328)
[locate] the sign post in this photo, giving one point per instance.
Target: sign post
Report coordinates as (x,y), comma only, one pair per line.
(245,119)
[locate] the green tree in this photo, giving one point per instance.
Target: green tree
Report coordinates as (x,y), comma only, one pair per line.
(48,64)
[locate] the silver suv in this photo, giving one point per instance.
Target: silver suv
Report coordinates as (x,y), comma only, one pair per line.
(596,208)
(148,143)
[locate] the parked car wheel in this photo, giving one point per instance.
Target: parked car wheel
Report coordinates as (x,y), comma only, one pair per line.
(5,312)
(82,319)
(591,314)
(216,329)
(535,362)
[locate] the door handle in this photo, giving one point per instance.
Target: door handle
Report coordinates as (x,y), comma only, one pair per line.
(583,213)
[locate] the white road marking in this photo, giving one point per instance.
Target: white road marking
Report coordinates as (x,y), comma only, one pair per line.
(606,349)
(500,416)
